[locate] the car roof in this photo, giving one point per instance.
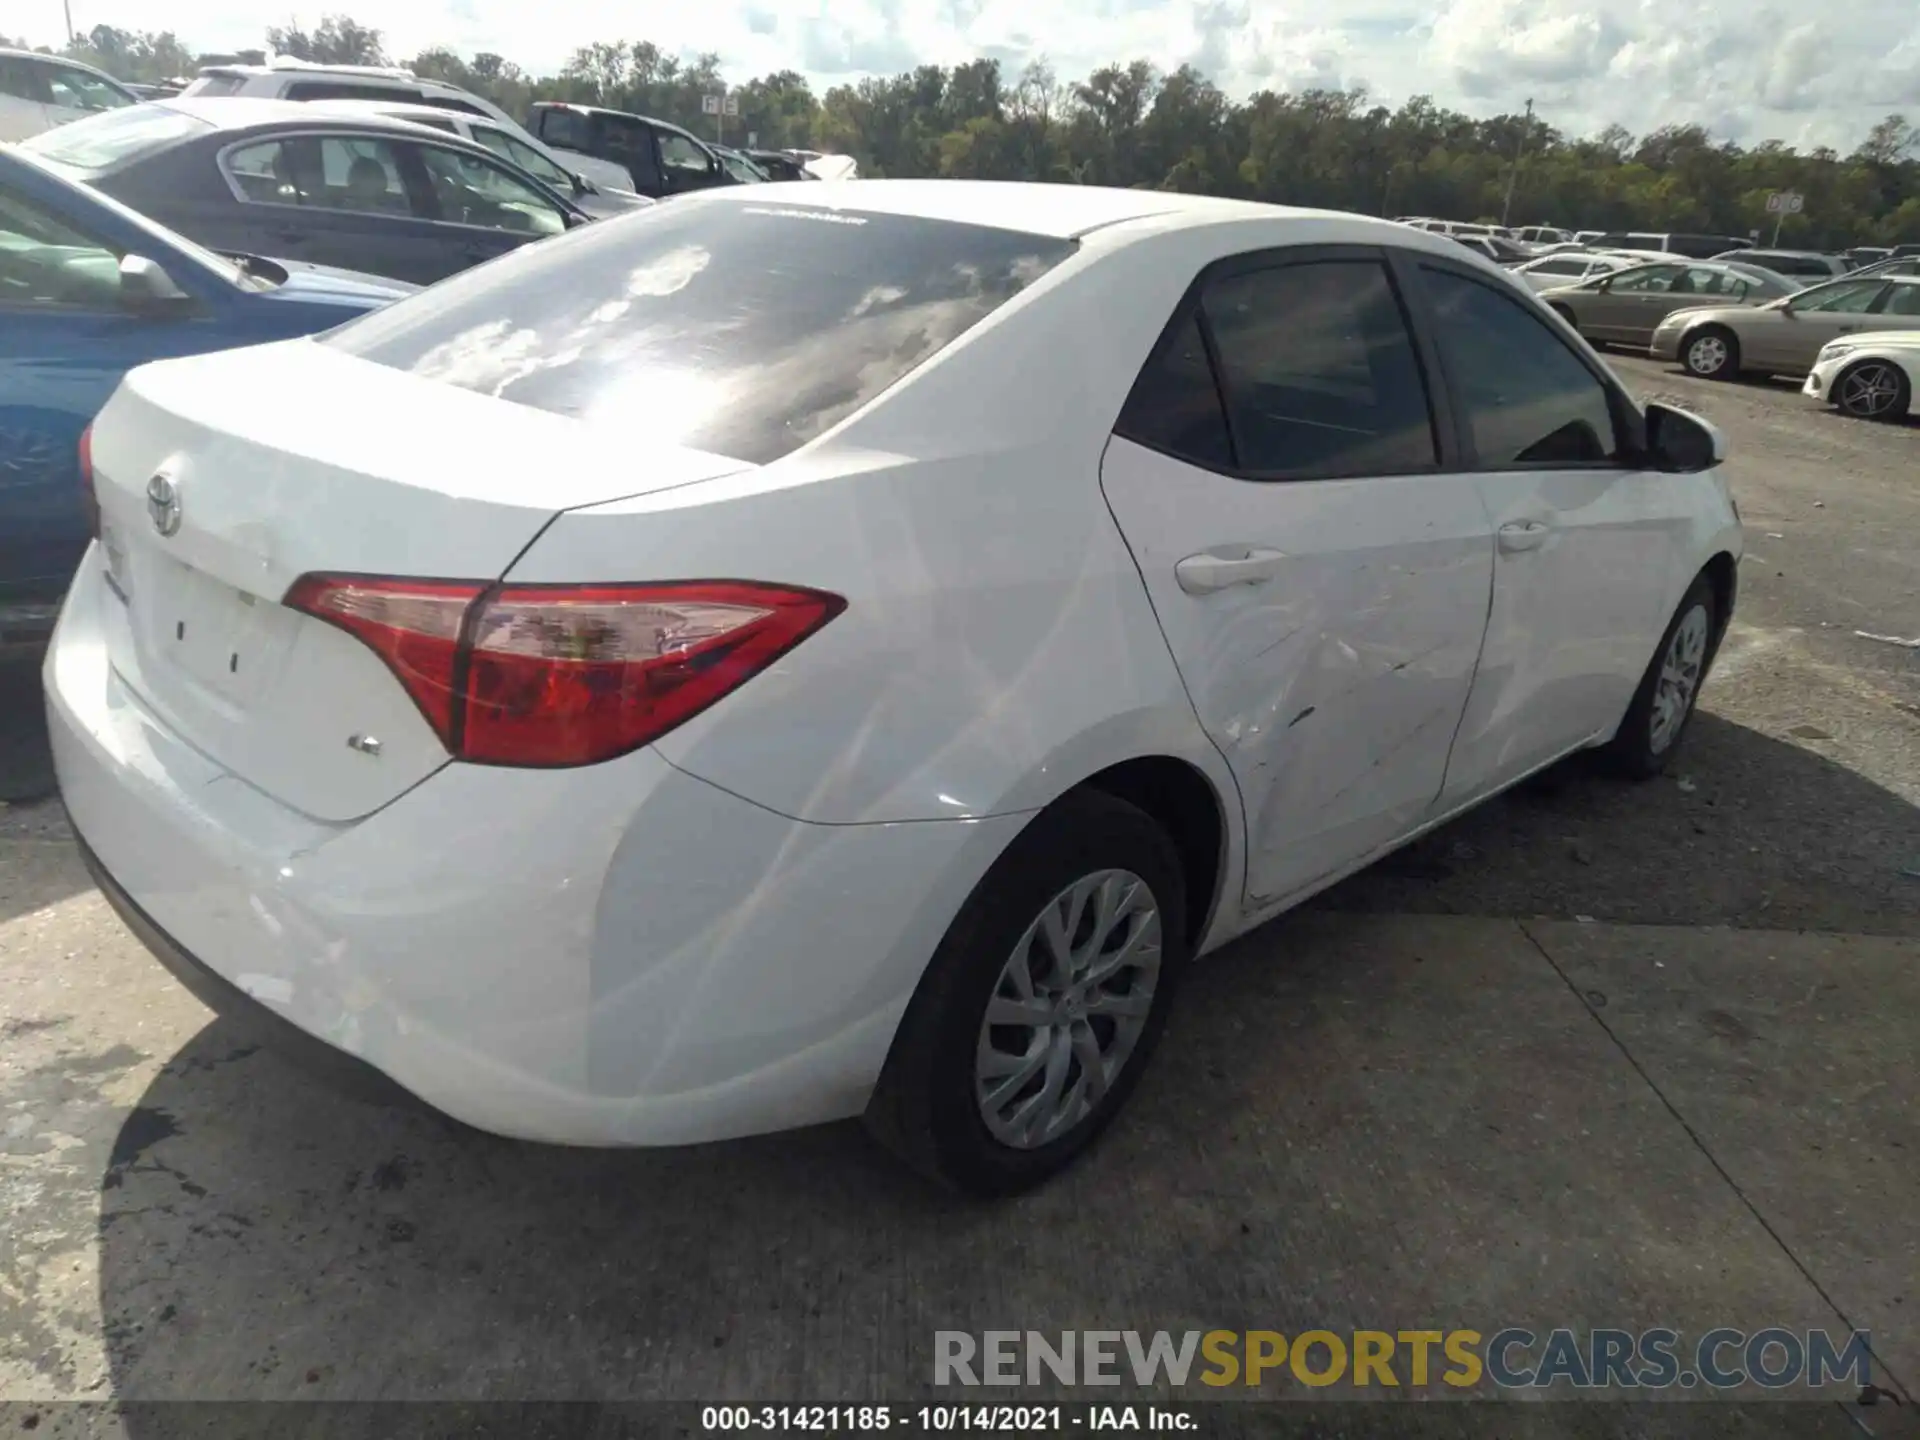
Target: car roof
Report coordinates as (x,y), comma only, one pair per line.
(367,105)
(1063,212)
(13,53)
(243,112)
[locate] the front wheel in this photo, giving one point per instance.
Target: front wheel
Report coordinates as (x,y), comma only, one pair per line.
(1042,1005)
(1873,390)
(1711,354)
(1663,705)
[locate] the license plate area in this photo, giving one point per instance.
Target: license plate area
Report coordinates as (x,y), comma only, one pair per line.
(223,639)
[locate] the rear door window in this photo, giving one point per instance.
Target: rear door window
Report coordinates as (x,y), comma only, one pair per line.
(1319,372)
(351,90)
(473,191)
(744,330)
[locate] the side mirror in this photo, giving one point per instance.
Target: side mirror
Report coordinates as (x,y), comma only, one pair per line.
(581,185)
(145,286)
(1680,443)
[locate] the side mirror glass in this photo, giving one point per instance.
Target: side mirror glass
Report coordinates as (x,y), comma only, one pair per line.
(1681,443)
(145,285)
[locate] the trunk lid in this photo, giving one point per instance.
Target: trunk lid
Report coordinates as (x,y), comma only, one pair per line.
(294,458)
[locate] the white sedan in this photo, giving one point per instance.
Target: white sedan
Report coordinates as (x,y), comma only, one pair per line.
(812,651)
(1871,376)
(1550,272)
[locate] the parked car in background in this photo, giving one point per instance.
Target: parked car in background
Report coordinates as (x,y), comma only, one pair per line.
(1496,248)
(1541,235)
(1692,246)
(1568,267)
(88,289)
(1786,336)
(1626,307)
(780,164)
(155,92)
(290,79)
(1806,266)
(528,154)
(742,170)
(274,177)
(1861,256)
(659,159)
(38,92)
(1871,377)
(1901,265)
(1044,787)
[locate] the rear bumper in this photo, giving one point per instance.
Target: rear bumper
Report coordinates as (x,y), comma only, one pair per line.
(616,955)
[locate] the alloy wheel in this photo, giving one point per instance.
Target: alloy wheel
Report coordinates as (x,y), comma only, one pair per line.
(1068,1009)
(1680,671)
(1869,391)
(1707,355)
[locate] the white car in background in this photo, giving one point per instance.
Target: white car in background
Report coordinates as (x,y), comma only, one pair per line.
(1550,272)
(437,737)
(39,92)
(1869,376)
(284,78)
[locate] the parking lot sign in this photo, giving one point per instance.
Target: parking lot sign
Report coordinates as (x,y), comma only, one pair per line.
(710,105)
(1786,202)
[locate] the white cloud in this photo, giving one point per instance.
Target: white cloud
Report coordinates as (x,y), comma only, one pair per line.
(1750,70)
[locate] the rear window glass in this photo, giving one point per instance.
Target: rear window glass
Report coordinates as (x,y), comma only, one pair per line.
(217,85)
(741,329)
(114,135)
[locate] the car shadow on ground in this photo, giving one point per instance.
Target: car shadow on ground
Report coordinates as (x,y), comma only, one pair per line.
(1364,1150)
(1745,830)
(26,767)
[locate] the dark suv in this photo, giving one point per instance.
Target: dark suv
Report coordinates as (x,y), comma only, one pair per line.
(663,159)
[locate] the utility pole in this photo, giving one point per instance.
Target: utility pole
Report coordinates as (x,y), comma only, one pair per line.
(69,8)
(1513,175)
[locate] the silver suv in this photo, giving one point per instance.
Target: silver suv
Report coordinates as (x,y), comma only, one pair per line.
(289,79)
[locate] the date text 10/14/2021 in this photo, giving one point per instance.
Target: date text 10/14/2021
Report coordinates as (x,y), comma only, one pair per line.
(925,1419)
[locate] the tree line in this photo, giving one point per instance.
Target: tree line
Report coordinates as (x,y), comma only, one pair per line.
(1134,125)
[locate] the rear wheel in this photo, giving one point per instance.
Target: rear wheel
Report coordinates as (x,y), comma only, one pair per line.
(1712,353)
(1042,1005)
(1663,705)
(1873,390)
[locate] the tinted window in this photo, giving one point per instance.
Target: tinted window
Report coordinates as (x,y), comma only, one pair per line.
(568,129)
(1529,400)
(626,141)
(1650,280)
(349,90)
(745,330)
(45,261)
(102,140)
(1175,404)
(217,85)
(17,80)
(472,191)
(331,173)
(1559,267)
(1319,371)
(1904,300)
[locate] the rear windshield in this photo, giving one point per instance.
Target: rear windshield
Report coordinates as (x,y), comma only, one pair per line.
(113,135)
(741,329)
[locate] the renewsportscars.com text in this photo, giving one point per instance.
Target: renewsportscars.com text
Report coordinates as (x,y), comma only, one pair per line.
(1380,1361)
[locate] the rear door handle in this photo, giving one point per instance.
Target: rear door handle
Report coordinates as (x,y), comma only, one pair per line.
(1226,566)
(1519,535)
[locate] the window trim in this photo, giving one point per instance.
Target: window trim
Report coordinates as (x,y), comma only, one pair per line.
(323,133)
(1629,423)
(1440,417)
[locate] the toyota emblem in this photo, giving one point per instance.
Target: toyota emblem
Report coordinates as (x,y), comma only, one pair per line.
(163,504)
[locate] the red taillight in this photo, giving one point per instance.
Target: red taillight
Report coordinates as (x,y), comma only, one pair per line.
(89,501)
(565,674)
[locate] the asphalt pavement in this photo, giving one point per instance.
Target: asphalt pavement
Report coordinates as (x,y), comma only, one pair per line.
(1597,1054)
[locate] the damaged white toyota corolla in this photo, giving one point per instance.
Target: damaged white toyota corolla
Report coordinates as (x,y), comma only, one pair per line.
(813,651)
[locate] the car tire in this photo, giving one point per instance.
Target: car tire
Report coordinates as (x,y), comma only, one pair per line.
(1710,353)
(1872,390)
(1661,709)
(936,1092)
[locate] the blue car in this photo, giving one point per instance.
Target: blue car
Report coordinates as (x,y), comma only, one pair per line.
(88,290)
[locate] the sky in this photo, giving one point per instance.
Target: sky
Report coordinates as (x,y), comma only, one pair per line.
(1749,70)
